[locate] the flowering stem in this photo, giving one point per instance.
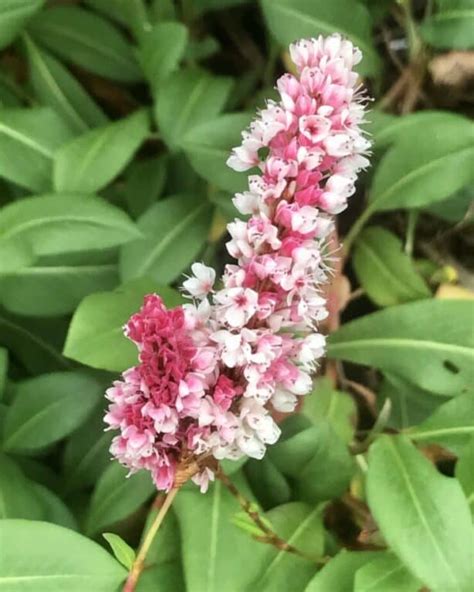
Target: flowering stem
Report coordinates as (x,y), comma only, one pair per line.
(139,562)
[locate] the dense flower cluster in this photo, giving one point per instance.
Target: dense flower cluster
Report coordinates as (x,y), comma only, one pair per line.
(210,372)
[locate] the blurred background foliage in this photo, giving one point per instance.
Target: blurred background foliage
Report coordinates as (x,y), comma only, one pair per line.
(116,119)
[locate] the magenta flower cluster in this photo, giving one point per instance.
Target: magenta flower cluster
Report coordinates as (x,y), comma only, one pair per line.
(210,372)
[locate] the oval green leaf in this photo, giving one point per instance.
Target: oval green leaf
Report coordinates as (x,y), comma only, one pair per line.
(89,162)
(429,343)
(175,230)
(41,556)
(423,515)
(48,408)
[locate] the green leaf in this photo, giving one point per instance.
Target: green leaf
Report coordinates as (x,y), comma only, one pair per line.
(315,458)
(122,551)
(452,26)
(189,98)
(384,271)
(95,336)
(14,14)
(116,496)
(144,183)
(18,499)
(41,556)
(269,485)
(339,573)
(3,370)
(410,405)
(15,254)
(290,20)
(456,207)
(87,40)
(113,9)
(57,224)
(89,162)
(326,404)
(86,454)
(48,408)
(32,136)
(451,425)
(423,515)
(429,343)
(465,474)
(388,129)
(209,538)
(32,345)
(208,147)
(175,230)
(385,573)
(423,168)
(55,510)
(161,50)
(53,290)
(56,87)
(299,525)
(166,577)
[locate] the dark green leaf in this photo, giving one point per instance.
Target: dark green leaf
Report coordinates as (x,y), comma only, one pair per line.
(388,129)
(385,573)
(339,573)
(209,538)
(144,183)
(429,343)
(189,98)
(34,344)
(87,40)
(53,290)
(326,404)
(208,147)
(57,224)
(18,499)
(410,404)
(86,454)
(423,515)
(451,425)
(89,162)
(3,370)
(423,168)
(299,525)
(290,20)
(384,271)
(32,136)
(95,336)
(56,87)
(14,14)
(316,458)
(55,510)
(175,230)
(452,26)
(47,408)
(269,485)
(116,496)
(40,556)
(161,50)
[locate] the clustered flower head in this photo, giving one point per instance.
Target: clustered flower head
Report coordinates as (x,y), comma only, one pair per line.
(210,372)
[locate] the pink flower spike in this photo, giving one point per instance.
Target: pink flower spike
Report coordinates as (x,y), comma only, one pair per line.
(210,373)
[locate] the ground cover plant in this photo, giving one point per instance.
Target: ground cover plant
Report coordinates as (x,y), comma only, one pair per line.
(122,171)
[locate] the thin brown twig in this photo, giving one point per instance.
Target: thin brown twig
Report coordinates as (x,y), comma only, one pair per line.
(269,536)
